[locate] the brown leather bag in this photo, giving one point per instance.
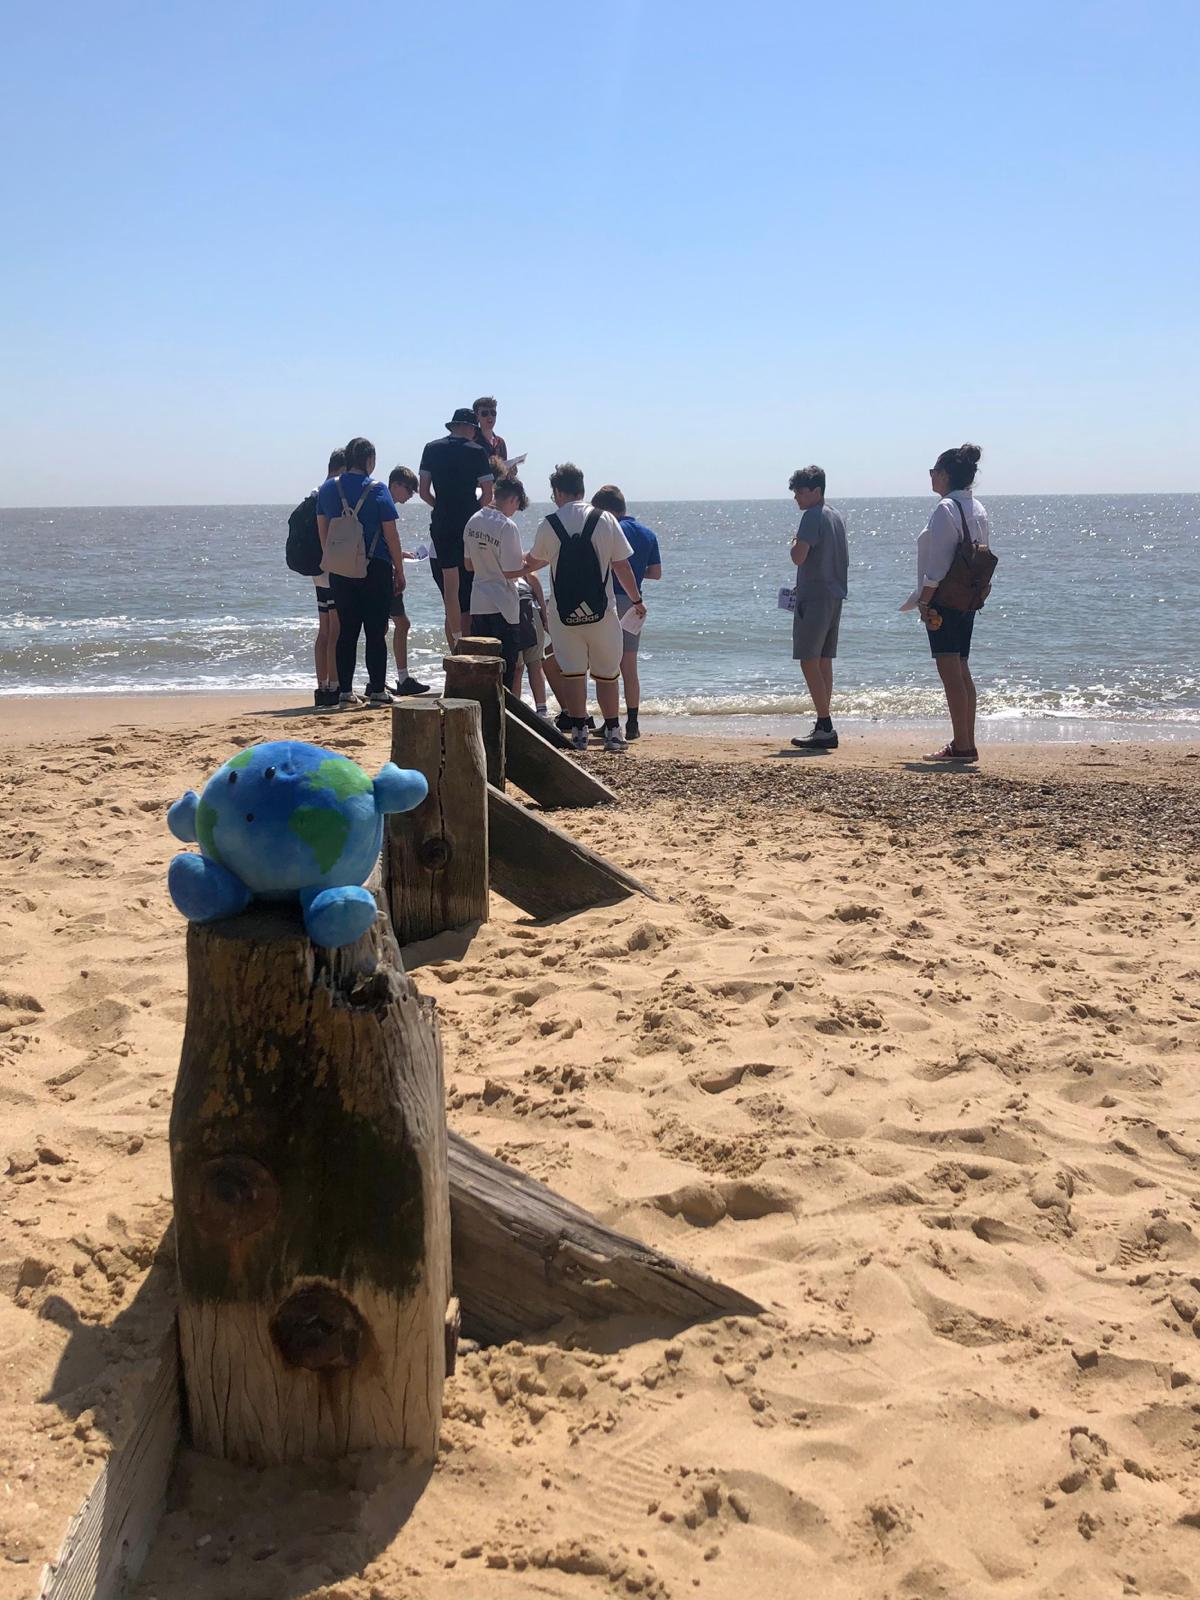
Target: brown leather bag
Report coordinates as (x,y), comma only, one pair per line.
(969,582)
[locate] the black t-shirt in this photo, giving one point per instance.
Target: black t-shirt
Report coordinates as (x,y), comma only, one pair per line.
(455,466)
(497,446)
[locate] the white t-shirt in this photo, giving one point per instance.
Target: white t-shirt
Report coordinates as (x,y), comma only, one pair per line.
(608,539)
(492,542)
(940,538)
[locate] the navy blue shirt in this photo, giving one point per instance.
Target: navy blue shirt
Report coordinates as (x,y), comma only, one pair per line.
(645,551)
(377,508)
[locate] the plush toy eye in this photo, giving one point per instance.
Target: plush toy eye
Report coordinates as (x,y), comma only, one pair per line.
(233,777)
(269,773)
(249,816)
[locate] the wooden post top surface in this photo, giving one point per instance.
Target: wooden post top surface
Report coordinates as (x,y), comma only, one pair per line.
(477,645)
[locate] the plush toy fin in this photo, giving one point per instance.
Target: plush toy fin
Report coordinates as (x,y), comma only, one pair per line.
(334,917)
(398,789)
(181,818)
(202,889)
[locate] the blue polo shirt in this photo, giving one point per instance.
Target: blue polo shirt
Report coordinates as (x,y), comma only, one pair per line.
(377,508)
(645,551)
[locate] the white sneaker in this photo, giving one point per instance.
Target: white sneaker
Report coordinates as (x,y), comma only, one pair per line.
(579,738)
(350,702)
(614,741)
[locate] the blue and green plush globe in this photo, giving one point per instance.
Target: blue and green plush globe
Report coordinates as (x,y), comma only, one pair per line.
(285,821)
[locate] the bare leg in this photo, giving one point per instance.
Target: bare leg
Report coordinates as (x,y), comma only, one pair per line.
(631,681)
(454,616)
(819,681)
(400,646)
(557,684)
(537,683)
(958,703)
(608,693)
(573,695)
(969,685)
(518,670)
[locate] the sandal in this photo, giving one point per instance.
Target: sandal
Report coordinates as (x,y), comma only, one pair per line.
(949,753)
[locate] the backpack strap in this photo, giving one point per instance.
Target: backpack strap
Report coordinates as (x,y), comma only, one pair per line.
(962,517)
(589,527)
(555,522)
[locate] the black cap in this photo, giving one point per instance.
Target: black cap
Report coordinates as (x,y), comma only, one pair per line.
(462,415)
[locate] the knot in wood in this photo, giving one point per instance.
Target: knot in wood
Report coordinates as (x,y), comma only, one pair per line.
(434,853)
(319,1329)
(234,1196)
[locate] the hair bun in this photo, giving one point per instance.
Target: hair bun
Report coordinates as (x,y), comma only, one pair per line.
(970,453)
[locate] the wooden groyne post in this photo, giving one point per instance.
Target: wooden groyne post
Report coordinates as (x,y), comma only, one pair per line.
(308,1157)
(436,856)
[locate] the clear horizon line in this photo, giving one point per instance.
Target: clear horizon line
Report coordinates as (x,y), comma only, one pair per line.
(679,500)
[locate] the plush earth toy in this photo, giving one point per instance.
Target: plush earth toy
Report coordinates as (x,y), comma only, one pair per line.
(287,821)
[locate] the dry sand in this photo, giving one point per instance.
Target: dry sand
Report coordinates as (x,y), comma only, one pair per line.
(909,1056)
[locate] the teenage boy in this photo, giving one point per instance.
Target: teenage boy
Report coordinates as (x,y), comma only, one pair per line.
(583,547)
(822,565)
(646,563)
(402,485)
(485,409)
(493,556)
(326,696)
(456,478)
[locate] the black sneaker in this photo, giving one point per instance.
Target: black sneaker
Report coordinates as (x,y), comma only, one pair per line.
(818,739)
(409,685)
(632,731)
(563,723)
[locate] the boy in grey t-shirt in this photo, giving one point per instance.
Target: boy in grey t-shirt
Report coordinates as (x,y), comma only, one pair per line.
(822,564)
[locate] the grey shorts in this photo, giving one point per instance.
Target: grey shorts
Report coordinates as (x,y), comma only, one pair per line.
(629,641)
(815,627)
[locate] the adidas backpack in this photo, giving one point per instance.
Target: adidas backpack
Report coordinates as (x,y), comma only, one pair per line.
(303,550)
(580,590)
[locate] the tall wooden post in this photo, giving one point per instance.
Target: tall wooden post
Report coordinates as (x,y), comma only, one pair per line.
(308,1156)
(481,678)
(435,858)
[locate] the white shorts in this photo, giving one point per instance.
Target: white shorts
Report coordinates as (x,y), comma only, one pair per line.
(593,647)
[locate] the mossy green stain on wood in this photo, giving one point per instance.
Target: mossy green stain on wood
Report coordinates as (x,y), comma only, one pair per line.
(323,830)
(206,822)
(340,777)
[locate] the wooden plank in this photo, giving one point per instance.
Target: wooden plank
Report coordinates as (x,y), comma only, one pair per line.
(525,1257)
(481,678)
(435,857)
(308,1160)
(540,726)
(545,774)
(109,1536)
(543,870)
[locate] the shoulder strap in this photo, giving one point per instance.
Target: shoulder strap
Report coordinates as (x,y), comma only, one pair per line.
(589,527)
(341,496)
(962,517)
(555,522)
(369,484)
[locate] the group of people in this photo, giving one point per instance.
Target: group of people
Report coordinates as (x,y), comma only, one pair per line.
(821,557)
(599,559)
(597,554)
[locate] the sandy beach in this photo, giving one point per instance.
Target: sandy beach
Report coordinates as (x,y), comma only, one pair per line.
(908,1055)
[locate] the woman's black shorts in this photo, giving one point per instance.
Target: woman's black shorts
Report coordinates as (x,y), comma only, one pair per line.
(953,638)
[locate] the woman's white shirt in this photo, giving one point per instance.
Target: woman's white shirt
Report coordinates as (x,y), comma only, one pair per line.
(940,538)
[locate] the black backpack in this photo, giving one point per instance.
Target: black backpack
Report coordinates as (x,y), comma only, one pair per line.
(580,592)
(303,550)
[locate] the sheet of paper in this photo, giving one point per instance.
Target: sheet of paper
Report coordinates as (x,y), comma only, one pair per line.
(631,622)
(787,600)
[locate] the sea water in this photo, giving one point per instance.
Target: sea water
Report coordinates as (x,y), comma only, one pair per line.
(1094,620)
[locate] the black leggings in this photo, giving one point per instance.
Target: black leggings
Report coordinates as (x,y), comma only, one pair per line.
(363,603)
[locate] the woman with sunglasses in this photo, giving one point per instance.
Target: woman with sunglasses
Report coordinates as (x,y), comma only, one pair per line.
(957,515)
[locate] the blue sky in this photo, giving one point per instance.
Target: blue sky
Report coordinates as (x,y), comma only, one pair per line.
(689,246)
